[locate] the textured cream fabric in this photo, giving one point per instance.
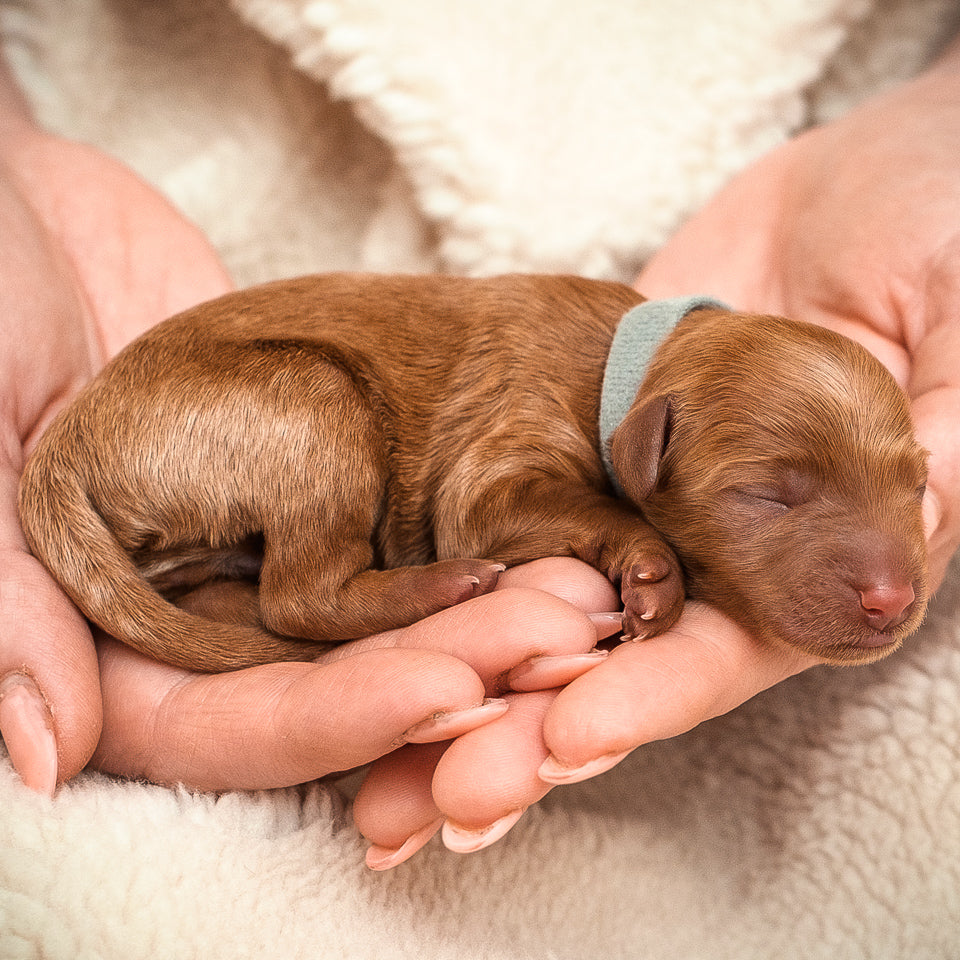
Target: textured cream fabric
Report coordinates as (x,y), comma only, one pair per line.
(822,819)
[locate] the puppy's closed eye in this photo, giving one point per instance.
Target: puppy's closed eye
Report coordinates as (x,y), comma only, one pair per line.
(761,496)
(779,489)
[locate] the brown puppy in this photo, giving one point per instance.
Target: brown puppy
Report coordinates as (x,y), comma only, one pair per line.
(328,457)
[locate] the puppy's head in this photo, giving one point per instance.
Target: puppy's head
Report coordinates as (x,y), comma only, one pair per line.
(788,481)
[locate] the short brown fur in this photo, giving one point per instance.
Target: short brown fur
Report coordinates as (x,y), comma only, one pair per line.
(319,459)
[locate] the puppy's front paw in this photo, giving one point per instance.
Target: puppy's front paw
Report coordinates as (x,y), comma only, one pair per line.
(652,593)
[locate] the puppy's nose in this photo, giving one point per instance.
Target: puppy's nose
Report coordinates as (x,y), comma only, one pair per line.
(886,605)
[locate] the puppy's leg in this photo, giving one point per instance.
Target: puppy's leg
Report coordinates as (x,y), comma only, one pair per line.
(320,498)
(226,601)
(327,591)
(520,520)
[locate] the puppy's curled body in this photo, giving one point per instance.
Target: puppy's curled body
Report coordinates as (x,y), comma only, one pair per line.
(319,459)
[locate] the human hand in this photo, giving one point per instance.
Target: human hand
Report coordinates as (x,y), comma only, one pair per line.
(91,257)
(422,685)
(98,258)
(854,226)
(476,788)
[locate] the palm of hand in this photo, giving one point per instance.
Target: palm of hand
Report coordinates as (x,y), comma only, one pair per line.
(91,259)
(854,226)
(129,256)
(108,258)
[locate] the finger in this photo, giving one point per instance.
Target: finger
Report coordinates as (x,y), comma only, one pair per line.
(645,691)
(278,724)
(50,710)
(285,723)
(659,688)
(938,430)
(585,588)
(545,673)
(566,578)
(483,784)
(477,788)
(493,633)
(394,807)
(935,398)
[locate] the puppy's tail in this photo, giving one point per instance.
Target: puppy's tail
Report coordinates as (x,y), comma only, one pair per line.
(67,534)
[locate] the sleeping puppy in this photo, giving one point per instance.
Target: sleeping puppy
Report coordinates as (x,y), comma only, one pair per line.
(320,459)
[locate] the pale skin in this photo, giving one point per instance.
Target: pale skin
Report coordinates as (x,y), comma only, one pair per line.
(853,225)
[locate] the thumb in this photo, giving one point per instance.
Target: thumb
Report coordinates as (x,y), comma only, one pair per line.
(936,415)
(934,389)
(50,708)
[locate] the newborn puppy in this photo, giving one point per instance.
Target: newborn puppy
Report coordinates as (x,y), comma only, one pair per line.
(320,459)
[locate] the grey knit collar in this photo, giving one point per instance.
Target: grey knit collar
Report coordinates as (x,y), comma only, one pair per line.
(639,333)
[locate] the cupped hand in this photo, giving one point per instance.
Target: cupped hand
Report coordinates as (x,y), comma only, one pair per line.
(91,256)
(492,663)
(855,225)
(286,723)
(557,730)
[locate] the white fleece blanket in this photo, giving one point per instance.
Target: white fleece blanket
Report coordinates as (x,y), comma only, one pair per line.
(820,820)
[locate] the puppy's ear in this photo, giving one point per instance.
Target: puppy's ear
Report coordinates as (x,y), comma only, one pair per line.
(638,444)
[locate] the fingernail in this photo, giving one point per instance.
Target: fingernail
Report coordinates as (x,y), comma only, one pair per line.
(542,673)
(27,729)
(385,858)
(446,726)
(552,771)
(464,840)
(607,624)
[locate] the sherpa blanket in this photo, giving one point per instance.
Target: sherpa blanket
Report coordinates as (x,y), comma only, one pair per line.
(821,819)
